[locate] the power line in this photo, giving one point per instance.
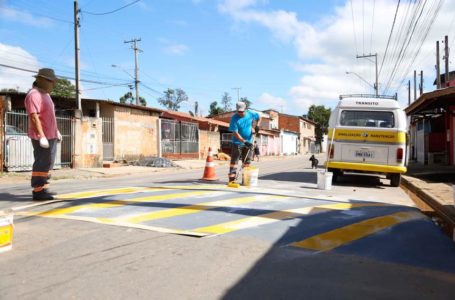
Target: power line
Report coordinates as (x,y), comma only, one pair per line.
(110,12)
(390,36)
(59,76)
(353,28)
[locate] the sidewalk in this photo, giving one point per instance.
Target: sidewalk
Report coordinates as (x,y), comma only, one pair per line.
(434,185)
(119,170)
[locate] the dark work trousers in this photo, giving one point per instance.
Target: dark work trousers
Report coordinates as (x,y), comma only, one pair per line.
(42,164)
(239,152)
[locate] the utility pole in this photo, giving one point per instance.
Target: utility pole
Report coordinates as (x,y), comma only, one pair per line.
(421,82)
(136,79)
(438,68)
(415,85)
(376,87)
(446,58)
(409,92)
(76,53)
(238,93)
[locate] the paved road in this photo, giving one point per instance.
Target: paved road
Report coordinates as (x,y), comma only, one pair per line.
(178,237)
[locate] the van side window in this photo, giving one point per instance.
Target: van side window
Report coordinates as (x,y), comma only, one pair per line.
(360,118)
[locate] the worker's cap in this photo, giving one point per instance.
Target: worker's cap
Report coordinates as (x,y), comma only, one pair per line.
(241,106)
(47,74)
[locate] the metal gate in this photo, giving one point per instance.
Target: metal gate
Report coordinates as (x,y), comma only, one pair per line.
(179,137)
(108,138)
(18,147)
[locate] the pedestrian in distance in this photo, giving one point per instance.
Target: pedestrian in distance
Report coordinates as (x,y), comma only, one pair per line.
(43,131)
(243,125)
(256,151)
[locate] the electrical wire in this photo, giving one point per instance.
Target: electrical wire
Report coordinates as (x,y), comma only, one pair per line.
(353,28)
(110,12)
(390,37)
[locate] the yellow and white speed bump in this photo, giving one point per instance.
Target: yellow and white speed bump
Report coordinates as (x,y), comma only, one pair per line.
(200,210)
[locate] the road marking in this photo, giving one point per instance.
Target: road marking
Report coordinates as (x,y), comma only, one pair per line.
(278,216)
(116,203)
(344,235)
(105,192)
(195,208)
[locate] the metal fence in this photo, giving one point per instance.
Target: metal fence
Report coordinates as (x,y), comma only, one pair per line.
(108,138)
(179,137)
(18,148)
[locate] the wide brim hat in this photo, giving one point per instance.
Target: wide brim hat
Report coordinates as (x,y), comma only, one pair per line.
(47,73)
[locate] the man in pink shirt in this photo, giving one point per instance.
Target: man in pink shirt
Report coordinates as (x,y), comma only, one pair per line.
(42,130)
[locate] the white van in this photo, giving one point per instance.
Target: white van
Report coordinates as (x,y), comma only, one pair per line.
(369,136)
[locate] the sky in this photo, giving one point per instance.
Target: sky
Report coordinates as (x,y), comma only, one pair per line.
(283,54)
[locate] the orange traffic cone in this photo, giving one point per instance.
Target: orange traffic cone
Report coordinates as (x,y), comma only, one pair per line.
(209,171)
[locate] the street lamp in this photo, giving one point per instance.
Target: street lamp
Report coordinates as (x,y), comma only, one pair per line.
(135,79)
(361,78)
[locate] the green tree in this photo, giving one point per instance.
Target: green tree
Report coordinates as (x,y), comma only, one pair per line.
(173,98)
(215,109)
(320,115)
(247,102)
(64,88)
(226,102)
(142,101)
(10,90)
(124,98)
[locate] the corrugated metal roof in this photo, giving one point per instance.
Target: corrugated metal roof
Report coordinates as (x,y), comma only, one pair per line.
(170,114)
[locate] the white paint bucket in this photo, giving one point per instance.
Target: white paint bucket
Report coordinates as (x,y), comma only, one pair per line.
(250,176)
(6,231)
(324,180)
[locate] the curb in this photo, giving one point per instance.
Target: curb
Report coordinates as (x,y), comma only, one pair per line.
(445,212)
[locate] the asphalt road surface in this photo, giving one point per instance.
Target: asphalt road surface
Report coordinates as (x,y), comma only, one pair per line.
(169,235)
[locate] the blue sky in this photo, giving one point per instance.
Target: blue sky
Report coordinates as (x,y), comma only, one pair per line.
(283,54)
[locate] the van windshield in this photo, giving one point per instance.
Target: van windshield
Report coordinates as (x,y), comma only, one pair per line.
(360,118)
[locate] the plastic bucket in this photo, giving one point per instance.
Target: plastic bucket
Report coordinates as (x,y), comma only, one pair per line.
(325,180)
(6,232)
(250,176)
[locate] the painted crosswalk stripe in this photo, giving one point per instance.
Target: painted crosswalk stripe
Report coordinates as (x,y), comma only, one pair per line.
(344,235)
(106,192)
(116,203)
(278,216)
(195,208)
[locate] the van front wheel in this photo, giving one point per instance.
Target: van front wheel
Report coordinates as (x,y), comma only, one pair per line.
(395,180)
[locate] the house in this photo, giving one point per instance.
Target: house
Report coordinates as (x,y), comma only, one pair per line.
(432,127)
(187,136)
(304,128)
(450,82)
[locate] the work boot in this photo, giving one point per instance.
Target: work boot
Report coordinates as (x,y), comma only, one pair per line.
(42,195)
(50,192)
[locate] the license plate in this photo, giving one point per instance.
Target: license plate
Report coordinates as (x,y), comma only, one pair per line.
(364,154)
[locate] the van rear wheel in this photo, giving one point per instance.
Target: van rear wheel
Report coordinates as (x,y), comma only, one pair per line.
(395,179)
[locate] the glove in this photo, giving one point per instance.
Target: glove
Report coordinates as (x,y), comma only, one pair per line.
(43,142)
(59,136)
(256,129)
(248,145)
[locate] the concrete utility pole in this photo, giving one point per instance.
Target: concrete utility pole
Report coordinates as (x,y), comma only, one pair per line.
(446,58)
(76,53)
(136,79)
(409,92)
(438,68)
(376,87)
(238,93)
(421,82)
(415,85)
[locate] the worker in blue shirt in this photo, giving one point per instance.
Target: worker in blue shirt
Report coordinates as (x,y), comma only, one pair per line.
(244,123)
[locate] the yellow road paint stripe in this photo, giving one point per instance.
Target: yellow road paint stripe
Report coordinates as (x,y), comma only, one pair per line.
(191,209)
(278,216)
(105,192)
(338,237)
(115,203)
(139,226)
